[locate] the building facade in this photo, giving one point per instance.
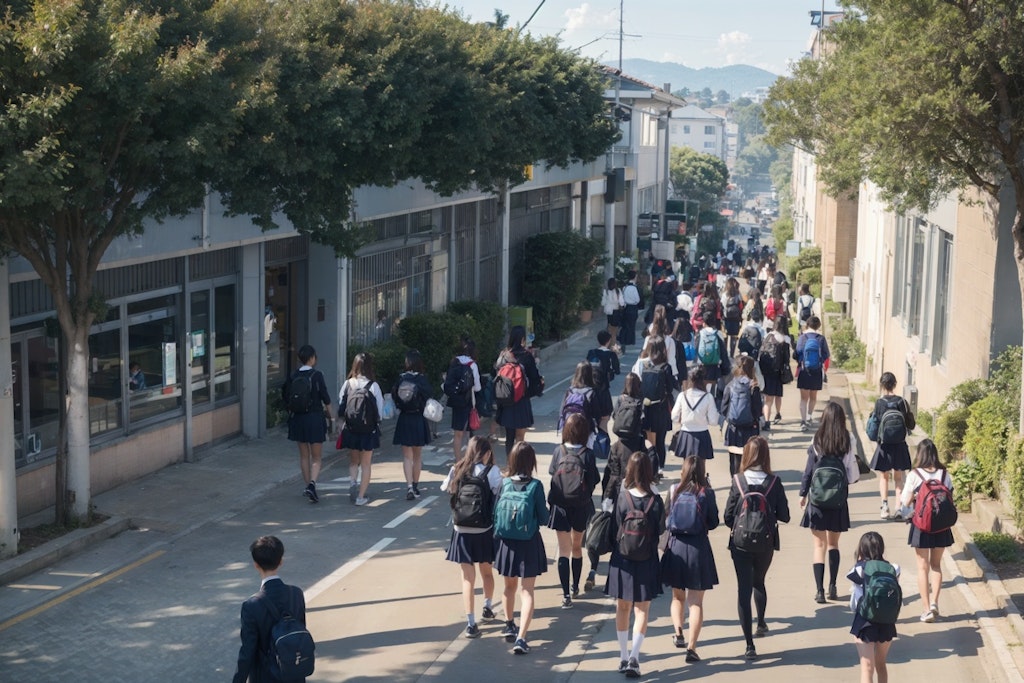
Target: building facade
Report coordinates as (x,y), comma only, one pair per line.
(699,130)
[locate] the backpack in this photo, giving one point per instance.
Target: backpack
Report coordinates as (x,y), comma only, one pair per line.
(568,488)
(510,384)
(829,488)
(687,514)
(753,530)
(740,413)
(811,355)
(300,392)
(733,308)
(473,502)
(750,341)
(882,597)
(708,309)
(772,357)
(934,509)
(574,403)
(636,540)
(628,417)
(601,366)
(291,655)
(707,346)
(602,445)
(805,309)
(361,415)
(892,427)
(515,516)
(652,383)
(408,397)
(458,382)
(598,536)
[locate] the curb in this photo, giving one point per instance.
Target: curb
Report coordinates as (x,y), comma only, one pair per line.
(53,551)
(560,346)
(995,585)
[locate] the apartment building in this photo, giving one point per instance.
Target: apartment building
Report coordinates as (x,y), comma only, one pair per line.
(699,130)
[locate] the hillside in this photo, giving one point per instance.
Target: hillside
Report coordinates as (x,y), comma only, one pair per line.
(735,79)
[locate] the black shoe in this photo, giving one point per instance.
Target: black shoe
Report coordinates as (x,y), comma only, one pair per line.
(416,490)
(566,602)
(762,631)
(832,593)
(521,647)
(691,656)
(751,653)
(510,632)
(679,641)
(819,597)
(633,668)
(310,492)
(623,665)
(575,592)
(589,584)
(488,613)
(472,631)
(778,418)
(409,495)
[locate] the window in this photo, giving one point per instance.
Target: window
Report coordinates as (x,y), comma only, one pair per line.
(913,287)
(709,130)
(104,381)
(224,359)
(710,145)
(898,265)
(943,295)
(154,382)
(686,130)
(199,347)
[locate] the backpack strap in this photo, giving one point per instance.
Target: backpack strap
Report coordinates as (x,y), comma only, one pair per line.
(741,484)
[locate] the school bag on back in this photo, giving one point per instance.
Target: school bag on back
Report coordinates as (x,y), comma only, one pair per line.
(687,514)
(458,383)
(473,502)
(601,367)
(934,509)
(300,392)
(753,530)
(628,417)
(568,488)
(361,414)
(598,536)
(733,308)
(750,341)
(408,397)
(636,539)
(510,384)
(652,383)
(892,426)
(829,487)
(708,309)
(772,355)
(883,596)
(291,656)
(811,356)
(515,514)
(740,413)
(574,403)
(707,346)
(805,308)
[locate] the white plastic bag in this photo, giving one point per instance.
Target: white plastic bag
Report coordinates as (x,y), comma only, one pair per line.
(389,408)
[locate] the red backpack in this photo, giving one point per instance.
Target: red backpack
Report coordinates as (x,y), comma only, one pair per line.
(934,509)
(510,384)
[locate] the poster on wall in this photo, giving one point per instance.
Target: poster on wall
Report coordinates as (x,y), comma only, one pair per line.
(198,343)
(170,363)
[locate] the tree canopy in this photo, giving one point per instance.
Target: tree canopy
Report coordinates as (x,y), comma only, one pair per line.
(697,176)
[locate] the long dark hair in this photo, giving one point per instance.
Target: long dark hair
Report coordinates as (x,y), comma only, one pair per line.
(756,453)
(659,323)
(632,386)
(583,377)
(478,451)
(657,353)
(692,477)
(516,337)
(832,437)
(870,547)
(522,460)
(927,456)
(639,473)
(362,364)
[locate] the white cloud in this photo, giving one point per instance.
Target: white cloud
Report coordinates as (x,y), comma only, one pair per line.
(733,38)
(585,18)
(732,47)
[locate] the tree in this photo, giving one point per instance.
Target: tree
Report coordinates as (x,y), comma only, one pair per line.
(922,97)
(722,97)
(747,116)
(755,158)
(697,176)
(118,115)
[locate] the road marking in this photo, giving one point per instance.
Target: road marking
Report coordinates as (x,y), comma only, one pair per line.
(344,570)
(78,591)
(410,512)
(34,587)
(558,383)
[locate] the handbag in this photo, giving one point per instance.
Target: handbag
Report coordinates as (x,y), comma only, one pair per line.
(474,420)
(337,444)
(433,410)
(786,376)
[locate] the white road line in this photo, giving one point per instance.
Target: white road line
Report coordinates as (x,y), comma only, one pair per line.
(558,383)
(409,513)
(344,570)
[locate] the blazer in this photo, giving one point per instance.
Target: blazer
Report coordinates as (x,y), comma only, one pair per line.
(256,625)
(776,499)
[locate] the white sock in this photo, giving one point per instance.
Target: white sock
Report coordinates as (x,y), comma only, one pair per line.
(623,637)
(487,603)
(471,619)
(638,640)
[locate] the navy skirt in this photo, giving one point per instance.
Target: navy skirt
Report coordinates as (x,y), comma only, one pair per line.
(460,418)
(570,519)
(689,563)
(866,632)
(818,519)
(360,442)
(693,443)
(603,402)
(516,416)
(810,379)
(922,539)
(471,548)
(521,559)
(737,437)
(772,385)
(891,456)
(633,581)
(658,418)
(732,327)
(307,427)
(412,429)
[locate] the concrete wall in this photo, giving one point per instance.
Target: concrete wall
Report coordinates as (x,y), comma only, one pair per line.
(835,232)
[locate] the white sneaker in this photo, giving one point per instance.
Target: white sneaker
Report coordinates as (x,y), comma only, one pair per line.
(885,514)
(362,501)
(928,617)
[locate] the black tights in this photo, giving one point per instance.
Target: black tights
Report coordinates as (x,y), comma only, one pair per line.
(510,440)
(659,446)
(751,568)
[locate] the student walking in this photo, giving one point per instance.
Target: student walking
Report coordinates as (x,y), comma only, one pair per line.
(309,417)
(605,367)
(473,483)
(461,385)
(688,565)
(656,380)
(892,456)
(713,356)
(811,353)
(519,512)
(733,313)
(929,479)
(633,571)
(741,407)
(755,491)
(362,404)
(613,304)
(695,412)
(874,637)
(805,305)
(524,382)
(633,302)
(574,476)
(660,327)
(831,468)
(412,431)
(580,399)
(775,368)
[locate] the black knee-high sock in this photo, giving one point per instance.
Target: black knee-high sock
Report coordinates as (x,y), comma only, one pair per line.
(595,560)
(819,575)
(510,440)
(577,570)
(833,566)
(563,574)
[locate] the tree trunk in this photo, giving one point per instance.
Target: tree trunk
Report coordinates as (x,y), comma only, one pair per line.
(1018,252)
(77,401)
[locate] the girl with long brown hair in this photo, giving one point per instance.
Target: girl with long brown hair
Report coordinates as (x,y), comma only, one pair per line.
(741,407)
(361,440)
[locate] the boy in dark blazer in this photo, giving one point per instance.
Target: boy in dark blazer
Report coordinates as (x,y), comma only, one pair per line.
(267,555)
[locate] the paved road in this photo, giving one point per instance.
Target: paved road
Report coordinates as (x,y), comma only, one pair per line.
(160,603)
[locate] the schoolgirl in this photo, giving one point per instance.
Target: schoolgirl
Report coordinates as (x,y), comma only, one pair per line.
(774,360)
(927,546)
(752,567)
(517,418)
(471,546)
(412,431)
(656,380)
(581,393)
(706,307)
(613,303)
(755,302)
(777,311)
(714,371)
(831,445)
(741,407)
(460,407)
(360,442)
(568,516)
(659,327)
(309,428)
(635,582)
(610,368)
(521,559)
(891,458)
(688,564)
(812,369)
(733,313)
(694,412)
(873,640)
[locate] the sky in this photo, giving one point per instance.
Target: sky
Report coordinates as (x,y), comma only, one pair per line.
(697,33)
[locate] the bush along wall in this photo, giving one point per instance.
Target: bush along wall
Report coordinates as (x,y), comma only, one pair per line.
(555,273)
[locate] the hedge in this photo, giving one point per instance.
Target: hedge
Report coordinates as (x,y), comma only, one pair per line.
(555,271)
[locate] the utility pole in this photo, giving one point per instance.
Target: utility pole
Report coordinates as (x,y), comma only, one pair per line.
(609,204)
(8,473)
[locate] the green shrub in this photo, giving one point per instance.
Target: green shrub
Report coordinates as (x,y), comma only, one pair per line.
(437,337)
(388,360)
(782,231)
(951,416)
(925,422)
(964,475)
(808,258)
(996,546)
(811,276)
(1014,476)
(485,324)
(1004,379)
(848,352)
(555,273)
(985,440)
(832,306)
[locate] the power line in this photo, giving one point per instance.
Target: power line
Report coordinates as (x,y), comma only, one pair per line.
(532,15)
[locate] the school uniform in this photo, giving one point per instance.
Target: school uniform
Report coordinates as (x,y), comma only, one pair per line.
(736,436)
(361,441)
(459,406)
(628,579)
(732,327)
(695,412)
(657,416)
(591,411)
(411,428)
(670,352)
(612,303)
(688,562)
(712,373)
(630,310)
(311,426)
(519,415)
(773,380)
(915,537)
(615,468)
(819,519)
(862,629)
(523,559)
(603,394)
(573,518)
(811,379)
(892,456)
(472,545)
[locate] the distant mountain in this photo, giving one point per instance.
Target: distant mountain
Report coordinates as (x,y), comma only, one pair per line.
(736,79)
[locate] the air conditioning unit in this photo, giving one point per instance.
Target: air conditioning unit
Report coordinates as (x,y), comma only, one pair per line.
(841,289)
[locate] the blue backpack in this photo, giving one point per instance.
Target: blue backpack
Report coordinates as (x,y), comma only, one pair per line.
(740,413)
(292,649)
(811,357)
(687,514)
(575,402)
(515,514)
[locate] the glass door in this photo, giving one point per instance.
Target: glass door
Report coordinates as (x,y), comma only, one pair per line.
(200,347)
(17,372)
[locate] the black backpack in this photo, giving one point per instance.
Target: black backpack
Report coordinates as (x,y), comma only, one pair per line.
(636,539)
(300,392)
(361,414)
(628,417)
(892,427)
(753,529)
(750,341)
(408,397)
(601,366)
(458,383)
(652,383)
(568,485)
(292,650)
(473,503)
(733,308)
(708,309)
